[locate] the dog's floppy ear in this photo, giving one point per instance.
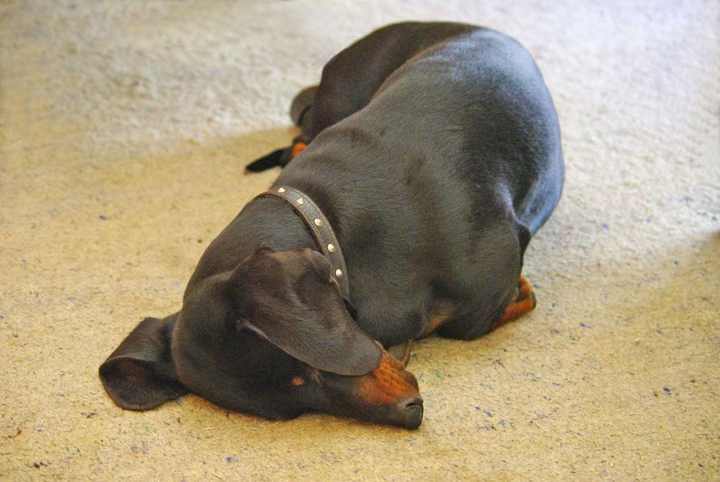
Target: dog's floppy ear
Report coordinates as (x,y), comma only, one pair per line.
(331,345)
(139,374)
(317,330)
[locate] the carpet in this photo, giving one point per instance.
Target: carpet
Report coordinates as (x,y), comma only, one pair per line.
(124,130)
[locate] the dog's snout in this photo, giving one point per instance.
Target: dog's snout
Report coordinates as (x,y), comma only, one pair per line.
(413,403)
(410,412)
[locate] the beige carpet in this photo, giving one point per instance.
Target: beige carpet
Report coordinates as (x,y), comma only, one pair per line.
(125,126)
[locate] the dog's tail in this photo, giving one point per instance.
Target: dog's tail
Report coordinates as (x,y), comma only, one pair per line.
(301,115)
(278,157)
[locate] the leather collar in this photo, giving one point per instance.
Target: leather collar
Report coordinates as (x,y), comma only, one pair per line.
(320,228)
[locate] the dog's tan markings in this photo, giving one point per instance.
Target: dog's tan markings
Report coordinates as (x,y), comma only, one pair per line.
(524,303)
(297,381)
(387,384)
(297,148)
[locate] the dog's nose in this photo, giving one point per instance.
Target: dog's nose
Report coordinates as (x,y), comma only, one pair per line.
(410,412)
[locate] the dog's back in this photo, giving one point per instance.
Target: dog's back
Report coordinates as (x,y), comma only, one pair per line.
(436,185)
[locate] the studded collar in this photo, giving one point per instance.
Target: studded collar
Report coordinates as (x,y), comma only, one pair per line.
(321,229)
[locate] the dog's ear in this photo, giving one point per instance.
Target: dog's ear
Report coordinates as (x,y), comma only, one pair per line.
(333,345)
(139,374)
(306,318)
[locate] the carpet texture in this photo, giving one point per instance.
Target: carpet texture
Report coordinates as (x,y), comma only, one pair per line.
(124,130)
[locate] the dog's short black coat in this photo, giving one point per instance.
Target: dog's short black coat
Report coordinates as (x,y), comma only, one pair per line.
(434,150)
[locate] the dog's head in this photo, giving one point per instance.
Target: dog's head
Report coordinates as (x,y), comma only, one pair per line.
(272,337)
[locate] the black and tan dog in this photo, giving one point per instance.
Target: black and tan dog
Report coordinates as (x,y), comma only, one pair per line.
(433,149)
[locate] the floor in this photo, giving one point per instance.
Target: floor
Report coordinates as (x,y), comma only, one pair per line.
(124,130)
